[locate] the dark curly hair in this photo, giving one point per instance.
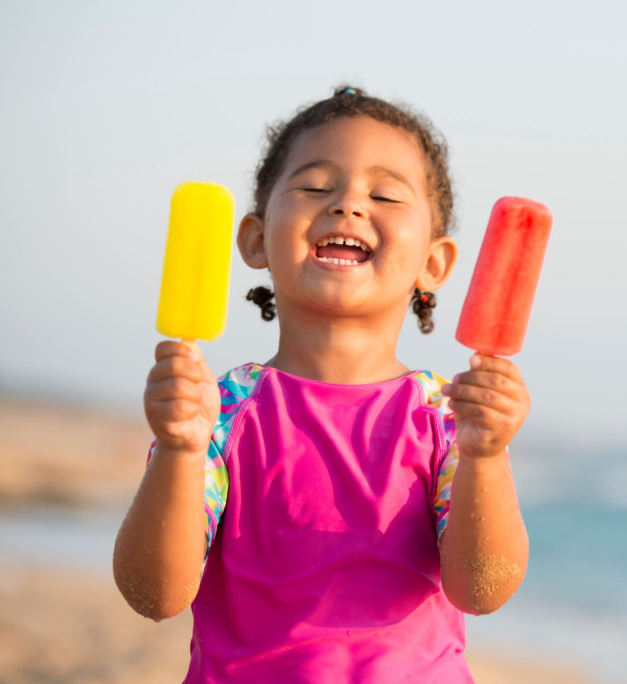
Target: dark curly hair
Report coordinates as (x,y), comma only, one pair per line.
(352,102)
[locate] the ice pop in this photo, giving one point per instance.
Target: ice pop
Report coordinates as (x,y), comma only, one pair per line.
(496,311)
(197,265)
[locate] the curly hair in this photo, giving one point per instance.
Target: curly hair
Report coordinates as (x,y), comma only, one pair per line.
(352,102)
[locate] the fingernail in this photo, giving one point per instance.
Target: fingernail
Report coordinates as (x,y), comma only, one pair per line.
(475,361)
(456,378)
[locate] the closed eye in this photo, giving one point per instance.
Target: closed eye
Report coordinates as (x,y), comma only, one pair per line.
(385,199)
(315,190)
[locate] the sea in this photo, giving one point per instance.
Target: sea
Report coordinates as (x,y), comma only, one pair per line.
(571,608)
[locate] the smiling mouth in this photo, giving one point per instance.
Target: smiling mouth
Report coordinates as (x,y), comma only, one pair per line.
(343,251)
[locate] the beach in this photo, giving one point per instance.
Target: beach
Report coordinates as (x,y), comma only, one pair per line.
(67,476)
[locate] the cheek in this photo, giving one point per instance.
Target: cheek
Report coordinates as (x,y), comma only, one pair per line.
(287,239)
(405,258)
(285,252)
(399,260)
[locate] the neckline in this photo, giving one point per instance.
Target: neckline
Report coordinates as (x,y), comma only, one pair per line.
(299,378)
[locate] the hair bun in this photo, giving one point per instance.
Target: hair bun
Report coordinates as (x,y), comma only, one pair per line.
(345,90)
(262,297)
(423,304)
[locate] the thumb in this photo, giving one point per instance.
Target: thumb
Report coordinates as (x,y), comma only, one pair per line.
(193,346)
(207,373)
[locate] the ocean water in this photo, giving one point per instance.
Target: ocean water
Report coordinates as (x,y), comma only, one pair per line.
(571,608)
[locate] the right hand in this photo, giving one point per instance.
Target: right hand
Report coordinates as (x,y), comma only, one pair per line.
(182,398)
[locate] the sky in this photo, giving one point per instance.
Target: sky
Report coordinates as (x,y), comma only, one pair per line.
(107,107)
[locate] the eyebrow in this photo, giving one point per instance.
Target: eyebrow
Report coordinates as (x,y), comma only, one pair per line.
(318,164)
(326,163)
(384,171)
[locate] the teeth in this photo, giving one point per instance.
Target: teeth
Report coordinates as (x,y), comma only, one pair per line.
(351,242)
(341,262)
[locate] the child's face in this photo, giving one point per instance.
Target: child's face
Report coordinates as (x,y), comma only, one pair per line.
(351,178)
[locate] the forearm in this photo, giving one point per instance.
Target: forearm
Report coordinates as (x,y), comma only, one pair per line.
(485,547)
(161,545)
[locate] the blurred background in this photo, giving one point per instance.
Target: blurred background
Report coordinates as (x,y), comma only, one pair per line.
(106,107)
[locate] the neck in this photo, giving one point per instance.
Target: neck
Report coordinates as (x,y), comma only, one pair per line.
(345,351)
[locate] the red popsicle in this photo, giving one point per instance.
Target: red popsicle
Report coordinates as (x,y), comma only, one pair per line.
(498,304)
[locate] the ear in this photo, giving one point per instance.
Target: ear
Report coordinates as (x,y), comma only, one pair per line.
(438,264)
(251,242)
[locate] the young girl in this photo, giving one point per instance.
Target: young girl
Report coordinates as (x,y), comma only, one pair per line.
(352,509)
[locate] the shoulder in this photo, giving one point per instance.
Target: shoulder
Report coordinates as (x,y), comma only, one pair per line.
(240,380)
(431,384)
(236,386)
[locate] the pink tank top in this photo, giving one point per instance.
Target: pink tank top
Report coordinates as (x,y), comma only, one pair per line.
(325,565)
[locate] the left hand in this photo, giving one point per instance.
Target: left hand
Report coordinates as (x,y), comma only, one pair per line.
(490,402)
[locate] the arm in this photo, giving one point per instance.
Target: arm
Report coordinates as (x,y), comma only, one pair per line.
(160,547)
(484,550)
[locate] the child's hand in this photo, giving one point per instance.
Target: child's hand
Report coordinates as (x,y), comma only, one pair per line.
(490,402)
(182,398)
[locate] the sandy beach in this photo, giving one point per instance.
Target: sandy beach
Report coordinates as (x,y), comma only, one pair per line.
(69,625)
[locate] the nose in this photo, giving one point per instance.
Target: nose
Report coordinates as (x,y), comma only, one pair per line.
(347,205)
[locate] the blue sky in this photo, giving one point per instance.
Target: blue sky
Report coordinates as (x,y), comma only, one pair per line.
(108,106)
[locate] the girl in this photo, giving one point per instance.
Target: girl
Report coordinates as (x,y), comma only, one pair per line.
(368,506)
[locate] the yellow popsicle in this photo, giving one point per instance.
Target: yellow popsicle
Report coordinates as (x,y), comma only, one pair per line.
(197,265)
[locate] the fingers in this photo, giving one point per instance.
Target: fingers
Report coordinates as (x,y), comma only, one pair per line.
(182,397)
(477,402)
(173,348)
(178,351)
(168,413)
(490,402)
(176,377)
(176,388)
(495,364)
(492,385)
(495,419)
(489,384)
(176,367)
